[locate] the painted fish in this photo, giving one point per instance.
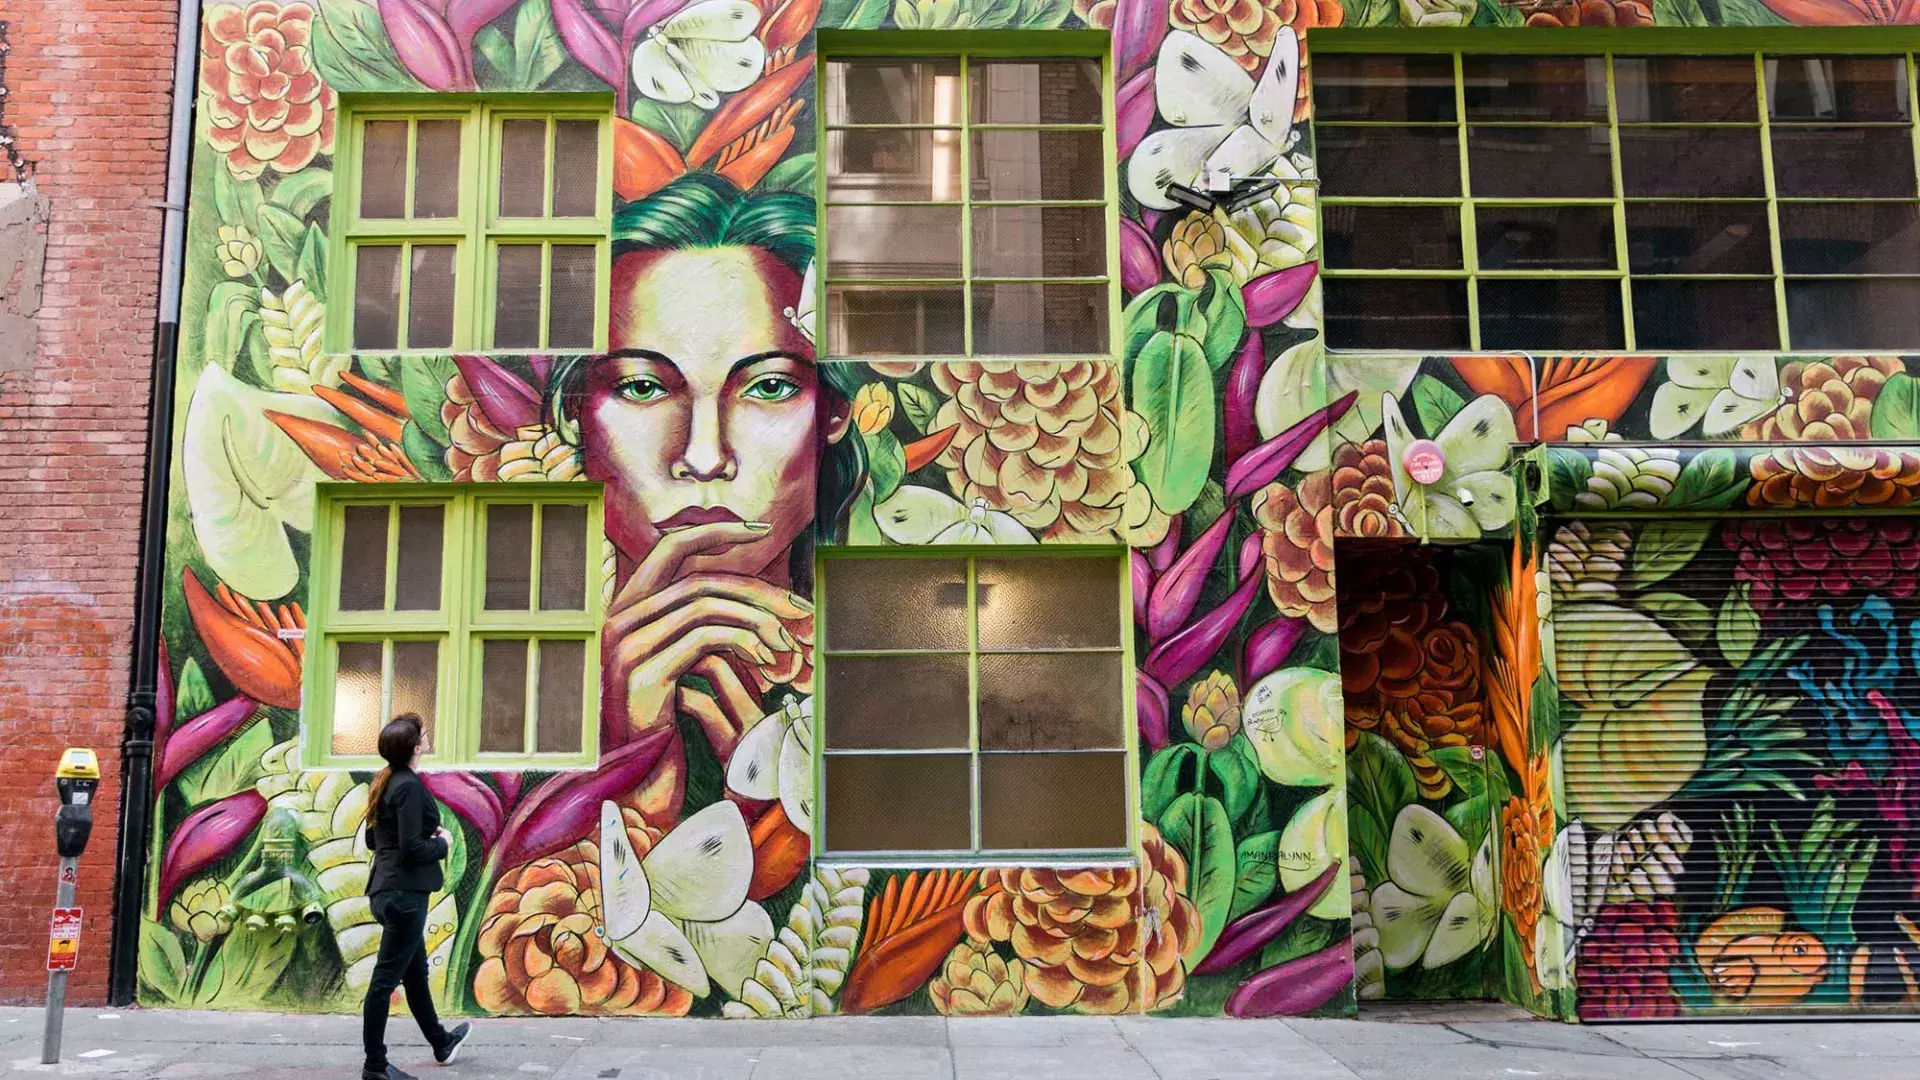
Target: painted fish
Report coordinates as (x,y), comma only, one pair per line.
(1750,958)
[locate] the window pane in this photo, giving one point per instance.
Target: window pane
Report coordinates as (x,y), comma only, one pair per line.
(503,696)
(1857,238)
(1836,162)
(422,539)
(1704,314)
(1698,238)
(363,559)
(889,320)
(1850,88)
(383,169)
(576,168)
(376,298)
(523,168)
(573,289)
(436,169)
(1040,241)
(1044,319)
(1545,237)
(896,604)
(1049,802)
(357,705)
(873,166)
(1415,88)
(1391,237)
(416,684)
(1035,91)
(898,703)
(430,297)
(1051,701)
(893,241)
(1052,603)
(899,802)
(1692,161)
(1550,314)
(893,92)
(1684,89)
(1386,161)
(1535,87)
(1038,165)
(1872,313)
(563,710)
(516,296)
(1519,162)
(1375,313)
(563,558)
(509,555)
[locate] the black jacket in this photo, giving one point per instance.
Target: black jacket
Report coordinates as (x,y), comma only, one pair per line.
(406,853)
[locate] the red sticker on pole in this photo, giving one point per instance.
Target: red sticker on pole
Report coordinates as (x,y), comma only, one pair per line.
(63,939)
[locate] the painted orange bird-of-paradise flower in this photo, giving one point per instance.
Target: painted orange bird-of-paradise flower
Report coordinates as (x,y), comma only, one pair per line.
(371,457)
(1571,391)
(911,927)
(243,637)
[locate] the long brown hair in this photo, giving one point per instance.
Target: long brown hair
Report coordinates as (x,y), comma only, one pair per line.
(398,742)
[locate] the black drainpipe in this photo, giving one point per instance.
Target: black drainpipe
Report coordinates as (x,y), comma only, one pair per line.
(136,745)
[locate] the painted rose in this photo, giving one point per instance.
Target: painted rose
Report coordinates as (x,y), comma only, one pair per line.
(266,106)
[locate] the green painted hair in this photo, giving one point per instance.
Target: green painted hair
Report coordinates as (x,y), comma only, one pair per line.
(703,210)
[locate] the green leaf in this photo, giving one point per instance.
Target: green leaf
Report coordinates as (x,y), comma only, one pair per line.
(1737,627)
(1688,618)
(1468,775)
(886,464)
(1173,391)
(1379,778)
(678,124)
(1473,819)
(919,403)
(247,966)
(1494,13)
(423,382)
(232,770)
(861,528)
(1225,312)
(1044,14)
(350,46)
(1663,547)
(491,45)
(1303,936)
(1567,475)
(1145,315)
(537,52)
(1257,860)
(280,236)
(312,264)
(1368,839)
(1436,402)
(233,309)
(163,966)
(795,174)
(854,14)
(1896,412)
(1164,780)
(300,192)
(1238,771)
(237,201)
(191,695)
(1198,826)
(381,369)
(428,457)
(1679,13)
(1712,480)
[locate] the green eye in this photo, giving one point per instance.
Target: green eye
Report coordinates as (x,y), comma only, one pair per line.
(773,388)
(642,389)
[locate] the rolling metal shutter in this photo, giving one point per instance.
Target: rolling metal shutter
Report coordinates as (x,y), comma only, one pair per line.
(1739,703)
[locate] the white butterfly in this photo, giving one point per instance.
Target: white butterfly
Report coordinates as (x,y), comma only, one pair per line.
(921,515)
(1717,392)
(1222,120)
(775,761)
(704,51)
(801,315)
(1474,492)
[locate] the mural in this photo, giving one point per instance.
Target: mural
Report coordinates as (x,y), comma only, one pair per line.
(676,878)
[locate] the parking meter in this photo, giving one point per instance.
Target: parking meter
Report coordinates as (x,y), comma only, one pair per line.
(76,779)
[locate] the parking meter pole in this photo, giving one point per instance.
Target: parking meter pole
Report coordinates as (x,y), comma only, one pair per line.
(57,980)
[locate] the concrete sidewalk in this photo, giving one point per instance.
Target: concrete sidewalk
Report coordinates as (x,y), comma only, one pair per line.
(1459,1042)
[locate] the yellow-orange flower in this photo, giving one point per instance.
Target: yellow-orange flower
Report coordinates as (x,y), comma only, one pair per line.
(976,981)
(1212,712)
(1298,548)
(872,408)
(1245,29)
(266,106)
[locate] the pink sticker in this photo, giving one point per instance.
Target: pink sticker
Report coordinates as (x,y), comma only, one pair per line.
(1425,461)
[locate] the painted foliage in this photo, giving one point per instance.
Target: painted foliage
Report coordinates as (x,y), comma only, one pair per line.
(676,877)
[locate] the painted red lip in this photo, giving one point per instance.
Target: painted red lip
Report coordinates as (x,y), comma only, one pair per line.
(697,515)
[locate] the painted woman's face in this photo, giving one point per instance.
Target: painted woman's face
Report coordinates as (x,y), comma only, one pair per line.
(713,420)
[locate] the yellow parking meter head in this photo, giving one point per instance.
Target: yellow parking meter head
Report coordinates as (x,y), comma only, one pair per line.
(78,763)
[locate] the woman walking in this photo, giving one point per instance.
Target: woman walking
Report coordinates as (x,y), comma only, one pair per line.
(403,829)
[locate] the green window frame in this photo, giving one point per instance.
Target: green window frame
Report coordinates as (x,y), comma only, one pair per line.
(1772,295)
(1075,280)
(424,224)
(381,597)
(864,668)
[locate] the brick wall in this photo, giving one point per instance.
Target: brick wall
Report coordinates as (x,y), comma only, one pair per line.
(87,95)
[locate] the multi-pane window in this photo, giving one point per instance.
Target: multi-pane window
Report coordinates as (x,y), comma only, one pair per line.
(1745,201)
(973,705)
(477,608)
(967,207)
(475,227)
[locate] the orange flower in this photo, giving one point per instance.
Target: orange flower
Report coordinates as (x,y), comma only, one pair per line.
(1525,835)
(1298,548)
(1244,29)
(266,106)
(1573,389)
(1847,12)
(742,141)
(543,950)
(243,637)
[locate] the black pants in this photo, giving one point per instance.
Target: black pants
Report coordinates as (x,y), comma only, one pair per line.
(402,962)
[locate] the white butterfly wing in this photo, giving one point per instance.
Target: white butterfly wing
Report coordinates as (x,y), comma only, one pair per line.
(625,896)
(714,20)
(1244,153)
(1701,372)
(1755,378)
(1480,436)
(1729,409)
(723,66)
(1170,156)
(1677,408)
(658,75)
(1274,95)
(915,514)
(1197,85)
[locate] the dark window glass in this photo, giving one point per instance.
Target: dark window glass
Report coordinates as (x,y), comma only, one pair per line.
(1416,88)
(1540,162)
(1704,314)
(1388,161)
(1392,313)
(1854,313)
(1692,161)
(1685,89)
(1848,88)
(1698,238)
(1843,162)
(1391,237)
(1540,88)
(1553,313)
(1850,238)
(1545,237)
